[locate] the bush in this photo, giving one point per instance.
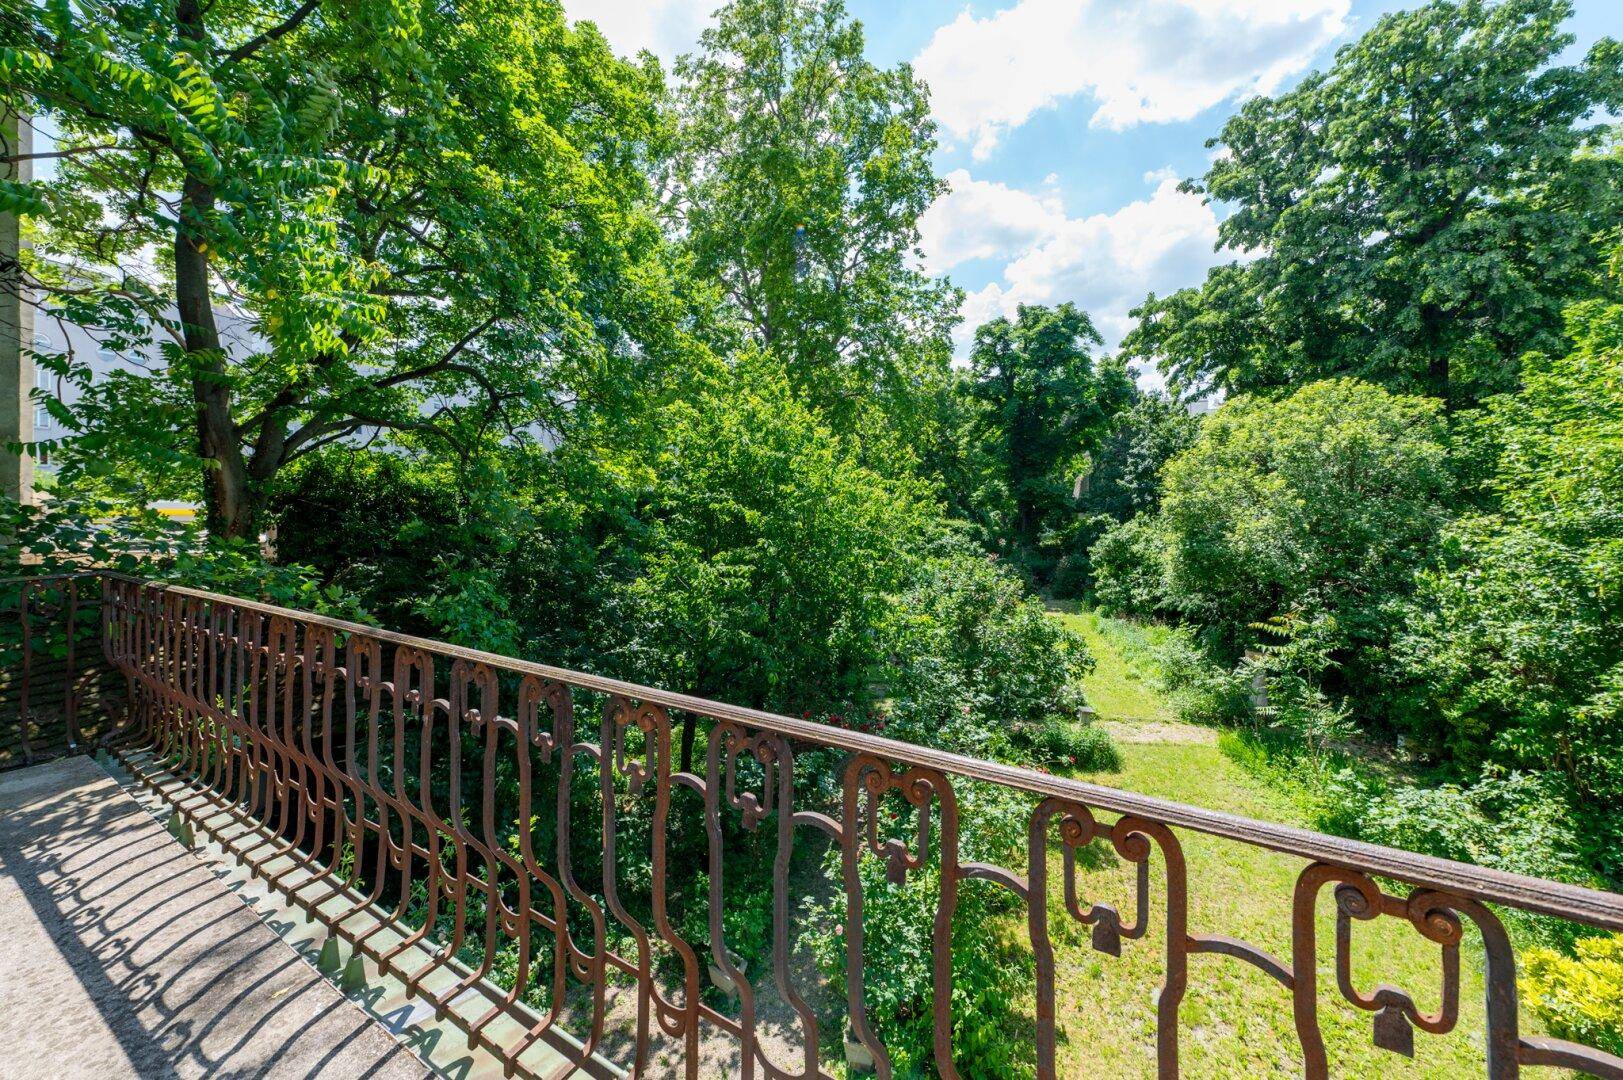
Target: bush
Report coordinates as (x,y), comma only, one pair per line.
(766,552)
(976,665)
(376,523)
(1579,997)
(1319,507)
(1128,569)
(1205,692)
(1516,639)
(1073,746)
(991,973)
(1519,822)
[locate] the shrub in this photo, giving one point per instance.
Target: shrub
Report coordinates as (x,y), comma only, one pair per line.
(1520,822)
(1206,693)
(1074,746)
(1128,569)
(977,666)
(1318,507)
(1516,639)
(766,551)
(991,975)
(1579,997)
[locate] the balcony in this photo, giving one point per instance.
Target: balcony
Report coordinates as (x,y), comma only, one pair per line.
(505,853)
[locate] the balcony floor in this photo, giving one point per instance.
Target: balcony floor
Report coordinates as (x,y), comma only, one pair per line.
(125,956)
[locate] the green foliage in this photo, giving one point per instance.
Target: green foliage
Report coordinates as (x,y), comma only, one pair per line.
(1517,638)
(421,540)
(71,534)
(991,975)
(1521,822)
(1125,479)
(800,174)
(1044,401)
(436,221)
(1128,565)
(1422,211)
(1306,518)
(1206,693)
(766,552)
(1579,997)
(1081,746)
(976,666)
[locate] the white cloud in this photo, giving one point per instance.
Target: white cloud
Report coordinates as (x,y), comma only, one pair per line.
(1105,263)
(1144,61)
(978,219)
(666,28)
(1156,176)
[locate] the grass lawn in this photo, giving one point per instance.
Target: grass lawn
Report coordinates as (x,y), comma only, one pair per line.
(1122,687)
(1236,1020)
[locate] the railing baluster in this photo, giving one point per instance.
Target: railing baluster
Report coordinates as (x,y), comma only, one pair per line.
(26,683)
(592,969)
(617,714)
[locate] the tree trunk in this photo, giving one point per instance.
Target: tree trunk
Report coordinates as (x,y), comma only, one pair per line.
(230,511)
(1437,376)
(226,493)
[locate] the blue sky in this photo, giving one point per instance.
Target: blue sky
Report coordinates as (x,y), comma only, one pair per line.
(1065,125)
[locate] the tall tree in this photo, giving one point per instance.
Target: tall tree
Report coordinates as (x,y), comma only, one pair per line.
(800,174)
(435,218)
(1422,211)
(1046,399)
(1516,638)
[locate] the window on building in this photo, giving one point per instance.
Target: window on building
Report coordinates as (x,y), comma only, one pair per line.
(45,380)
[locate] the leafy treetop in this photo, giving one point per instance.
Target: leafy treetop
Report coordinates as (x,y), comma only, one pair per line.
(1421,212)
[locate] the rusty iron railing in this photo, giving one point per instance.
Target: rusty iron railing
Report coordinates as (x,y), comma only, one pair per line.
(443,788)
(54,684)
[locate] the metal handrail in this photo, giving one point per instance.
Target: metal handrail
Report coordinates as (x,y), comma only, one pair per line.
(1541,896)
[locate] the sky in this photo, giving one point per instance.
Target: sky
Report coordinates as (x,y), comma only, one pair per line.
(1065,126)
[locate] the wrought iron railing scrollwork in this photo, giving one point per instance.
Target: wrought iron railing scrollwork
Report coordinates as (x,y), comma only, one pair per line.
(451,792)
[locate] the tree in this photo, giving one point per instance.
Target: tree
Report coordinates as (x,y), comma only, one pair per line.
(1421,213)
(800,173)
(436,220)
(1309,515)
(1125,480)
(1122,483)
(767,551)
(1045,401)
(1516,637)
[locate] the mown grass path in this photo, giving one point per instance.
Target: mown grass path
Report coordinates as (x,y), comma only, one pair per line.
(1236,1020)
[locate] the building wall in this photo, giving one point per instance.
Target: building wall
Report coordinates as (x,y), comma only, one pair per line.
(88,349)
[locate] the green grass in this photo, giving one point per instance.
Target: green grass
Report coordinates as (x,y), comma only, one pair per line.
(1236,1021)
(1123,685)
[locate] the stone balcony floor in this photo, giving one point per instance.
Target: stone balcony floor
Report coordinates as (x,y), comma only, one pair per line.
(124,954)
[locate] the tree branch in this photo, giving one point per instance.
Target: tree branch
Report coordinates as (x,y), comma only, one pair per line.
(12,159)
(253,45)
(444,363)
